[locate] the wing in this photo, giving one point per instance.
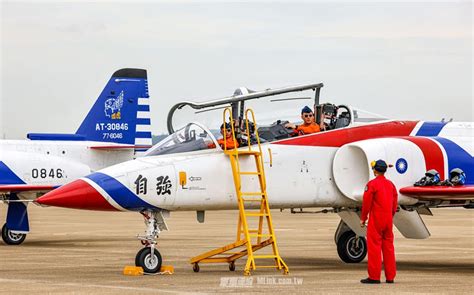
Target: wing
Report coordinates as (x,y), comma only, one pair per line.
(13,188)
(445,193)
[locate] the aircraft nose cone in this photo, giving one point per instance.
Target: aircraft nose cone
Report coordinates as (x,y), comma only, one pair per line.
(76,195)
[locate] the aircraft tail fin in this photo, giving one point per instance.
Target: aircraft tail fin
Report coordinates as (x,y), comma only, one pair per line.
(121,113)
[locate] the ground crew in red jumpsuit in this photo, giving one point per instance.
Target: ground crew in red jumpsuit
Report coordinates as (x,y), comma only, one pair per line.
(380,203)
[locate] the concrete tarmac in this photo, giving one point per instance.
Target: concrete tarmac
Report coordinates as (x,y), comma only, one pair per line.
(84,252)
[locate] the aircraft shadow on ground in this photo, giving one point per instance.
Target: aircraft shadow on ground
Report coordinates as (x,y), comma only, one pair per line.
(68,242)
(336,265)
(295,263)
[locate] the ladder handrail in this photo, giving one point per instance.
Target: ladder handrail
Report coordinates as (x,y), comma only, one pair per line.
(233,151)
(247,111)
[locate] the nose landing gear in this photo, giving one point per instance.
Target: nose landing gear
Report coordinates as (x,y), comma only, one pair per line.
(149,258)
(11,238)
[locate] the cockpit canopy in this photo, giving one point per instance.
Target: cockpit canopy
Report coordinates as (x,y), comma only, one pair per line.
(273,108)
(192,137)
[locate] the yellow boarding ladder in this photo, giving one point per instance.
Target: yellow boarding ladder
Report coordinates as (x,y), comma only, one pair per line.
(251,239)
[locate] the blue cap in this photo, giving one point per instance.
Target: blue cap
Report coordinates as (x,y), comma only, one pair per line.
(306,109)
(379,166)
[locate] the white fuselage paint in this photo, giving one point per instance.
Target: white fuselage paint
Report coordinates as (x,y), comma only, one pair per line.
(37,162)
(296,176)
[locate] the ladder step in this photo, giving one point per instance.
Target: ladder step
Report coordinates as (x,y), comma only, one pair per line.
(264,256)
(249,173)
(247,152)
(260,235)
(252,200)
(256,214)
(251,193)
(266,266)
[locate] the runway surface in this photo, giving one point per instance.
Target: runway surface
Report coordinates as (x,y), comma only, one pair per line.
(77,252)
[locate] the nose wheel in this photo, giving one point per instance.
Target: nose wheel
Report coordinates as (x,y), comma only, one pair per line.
(149,259)
(11,238)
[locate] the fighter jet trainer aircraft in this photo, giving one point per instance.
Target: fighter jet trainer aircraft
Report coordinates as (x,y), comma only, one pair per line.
(188,171)
(117,125)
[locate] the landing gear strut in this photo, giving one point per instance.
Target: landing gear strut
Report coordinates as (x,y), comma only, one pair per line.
(351,248)
(11,238)
(149,258)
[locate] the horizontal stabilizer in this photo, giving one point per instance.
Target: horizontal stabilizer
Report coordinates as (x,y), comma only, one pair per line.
(12,188)
(55,136)
(465,192)
(120,147)
(410,225)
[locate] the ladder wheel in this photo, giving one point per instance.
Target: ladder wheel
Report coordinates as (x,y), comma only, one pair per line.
(232,266)
(196,267)
(286,271)
(246,272)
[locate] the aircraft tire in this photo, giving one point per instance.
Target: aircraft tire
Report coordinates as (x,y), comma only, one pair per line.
(11,238)
(232,266)
(143,259)
(347,249)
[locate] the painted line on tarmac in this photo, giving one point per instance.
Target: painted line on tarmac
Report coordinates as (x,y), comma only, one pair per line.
(161,291)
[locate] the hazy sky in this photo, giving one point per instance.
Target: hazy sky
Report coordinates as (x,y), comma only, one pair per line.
(402,60)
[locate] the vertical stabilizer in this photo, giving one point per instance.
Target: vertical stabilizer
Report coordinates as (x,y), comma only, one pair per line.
(121,114)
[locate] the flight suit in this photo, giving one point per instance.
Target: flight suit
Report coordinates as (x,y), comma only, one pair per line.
(380,202)
(307,129)
(230,143)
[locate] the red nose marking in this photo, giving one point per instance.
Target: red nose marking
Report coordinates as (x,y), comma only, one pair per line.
(76,195)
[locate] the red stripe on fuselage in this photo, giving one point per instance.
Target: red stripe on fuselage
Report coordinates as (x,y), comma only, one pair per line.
(431,151)
(340,137)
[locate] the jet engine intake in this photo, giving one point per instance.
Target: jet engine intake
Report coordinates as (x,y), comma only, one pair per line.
(352,170)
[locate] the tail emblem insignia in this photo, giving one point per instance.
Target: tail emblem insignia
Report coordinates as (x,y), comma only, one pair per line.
(113,106)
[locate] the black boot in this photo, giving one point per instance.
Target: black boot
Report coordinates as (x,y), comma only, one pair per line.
(389,281)
(369,281)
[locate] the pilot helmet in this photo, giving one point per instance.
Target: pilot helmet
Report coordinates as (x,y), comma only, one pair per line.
(457,176)
(432,177)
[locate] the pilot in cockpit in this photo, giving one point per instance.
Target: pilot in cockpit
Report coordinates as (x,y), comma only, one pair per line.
(226,132)
(309,125)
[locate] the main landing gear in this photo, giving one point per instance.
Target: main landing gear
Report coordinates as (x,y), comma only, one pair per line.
(351,248)
(11,238)
(149,258)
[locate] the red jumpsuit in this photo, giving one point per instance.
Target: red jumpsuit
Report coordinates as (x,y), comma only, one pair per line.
(380,201)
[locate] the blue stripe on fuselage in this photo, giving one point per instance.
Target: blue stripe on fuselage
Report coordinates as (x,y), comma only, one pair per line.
(7,176)
(458,158)
(430,129)
(120,193)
